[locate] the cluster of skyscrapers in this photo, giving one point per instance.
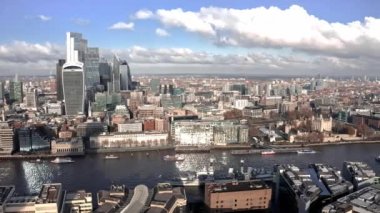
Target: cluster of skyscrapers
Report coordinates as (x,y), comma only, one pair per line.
(83,74)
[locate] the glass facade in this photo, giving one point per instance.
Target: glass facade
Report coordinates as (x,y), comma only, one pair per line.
(92,67)
(73,90)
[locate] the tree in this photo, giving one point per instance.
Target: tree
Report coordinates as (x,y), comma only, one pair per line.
(351,130)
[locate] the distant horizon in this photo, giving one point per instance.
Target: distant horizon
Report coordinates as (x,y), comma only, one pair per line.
(262,37)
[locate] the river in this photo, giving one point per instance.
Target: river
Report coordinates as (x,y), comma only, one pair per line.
(93,172)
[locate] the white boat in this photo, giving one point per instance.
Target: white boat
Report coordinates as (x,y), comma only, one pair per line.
(111,157)
(377,158)
(270,152)
(59,160)
(173,158)
(306,151)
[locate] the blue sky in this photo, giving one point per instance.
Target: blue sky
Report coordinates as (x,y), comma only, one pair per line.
(40,25)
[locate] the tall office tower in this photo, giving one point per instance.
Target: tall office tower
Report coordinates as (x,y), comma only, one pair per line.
(73,79)
(60,64)
(105,73)
(116,74)
(126,79)
(15,90)
(91,63)
(1,90)
(31,98)
(154,85)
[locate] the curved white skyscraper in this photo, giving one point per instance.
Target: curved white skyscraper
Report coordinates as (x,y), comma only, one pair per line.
(73,77)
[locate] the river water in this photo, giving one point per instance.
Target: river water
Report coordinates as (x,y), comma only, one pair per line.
(93,172)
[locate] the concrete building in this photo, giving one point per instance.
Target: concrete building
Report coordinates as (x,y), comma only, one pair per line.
(149,111)
(67,147)
(365,200)
(133,126)
(253,112)
(6,193)
(230,134)
(240,103)
(160,124)
(50,198)
(78,202)
(31,99)
(6,139)
(129,140)
(149,124)
(54,108)
(237,196)
(321,124)
(167,198)
(21,204)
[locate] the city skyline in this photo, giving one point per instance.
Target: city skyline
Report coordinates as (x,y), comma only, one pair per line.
(246,38)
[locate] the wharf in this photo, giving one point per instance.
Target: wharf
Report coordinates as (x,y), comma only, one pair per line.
(37,156)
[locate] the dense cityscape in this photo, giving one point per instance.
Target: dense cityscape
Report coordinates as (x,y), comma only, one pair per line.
(250,107)
(95,107)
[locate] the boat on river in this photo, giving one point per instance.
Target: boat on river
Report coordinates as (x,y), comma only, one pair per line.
(173,158)
(60,160)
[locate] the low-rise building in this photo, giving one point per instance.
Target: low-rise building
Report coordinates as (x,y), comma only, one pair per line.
(321,124)
(129,140)
(237,196)
(135,126)
(253,112)
(21,204)
(167,198)
(50,198)
(365,200)
(78,202)
(6,193)
(74,146)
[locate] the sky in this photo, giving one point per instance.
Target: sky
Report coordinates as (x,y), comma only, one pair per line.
(277,37)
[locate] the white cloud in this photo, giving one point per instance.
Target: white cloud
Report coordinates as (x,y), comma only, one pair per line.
(44,18)
(122,26)
(41,58)
(143,14)
(162,32)
(273,27)
(81,21)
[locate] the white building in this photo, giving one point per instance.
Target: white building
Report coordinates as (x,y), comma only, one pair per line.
(129,140)
(321,124)
(130,127)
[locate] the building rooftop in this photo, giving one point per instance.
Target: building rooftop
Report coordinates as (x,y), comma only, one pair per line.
(5,193)
(364,200)
(49,193)
(236,186)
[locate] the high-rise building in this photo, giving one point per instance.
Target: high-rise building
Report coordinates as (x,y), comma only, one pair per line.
(1,90)
(154,85)
(31,98)
(92,67)
(59,67)
(126,79)
(73,76)
(116,74)
(15,90)
(105,73)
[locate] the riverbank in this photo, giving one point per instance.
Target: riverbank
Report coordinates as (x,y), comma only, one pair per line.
(321,144)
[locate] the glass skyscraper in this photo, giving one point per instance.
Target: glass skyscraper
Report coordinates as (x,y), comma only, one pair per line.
(91,63)
(126,79)
(73,77)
